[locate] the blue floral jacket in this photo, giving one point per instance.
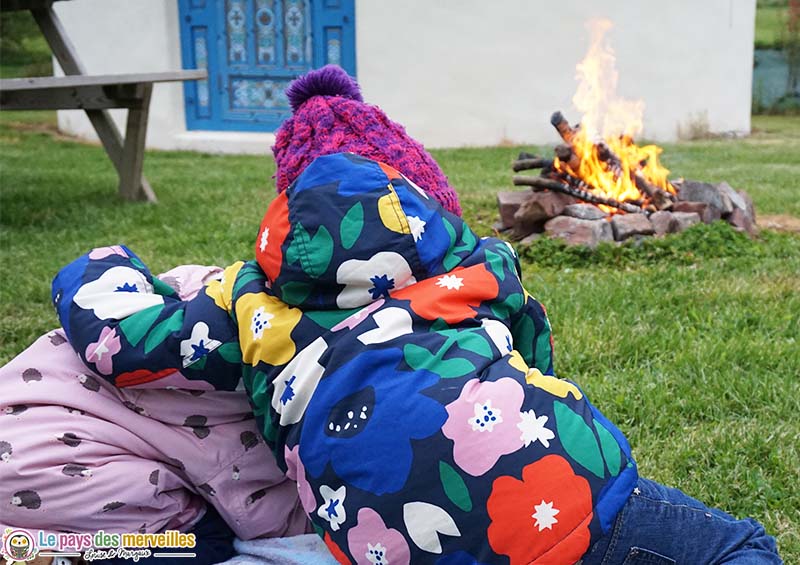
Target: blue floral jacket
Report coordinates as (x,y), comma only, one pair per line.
(398,369)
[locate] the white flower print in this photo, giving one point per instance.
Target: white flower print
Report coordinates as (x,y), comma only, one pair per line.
(499,334)
(264,240)
(450,282)
(297,382)
(260,322)
(198,345)
(118,293)
(392,322)
(376,554)
(375,278)
(533,429)
(417,226)
(545,515)
(332,508)
(486,417)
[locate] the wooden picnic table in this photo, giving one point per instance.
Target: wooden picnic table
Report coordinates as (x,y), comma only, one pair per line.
(94,94)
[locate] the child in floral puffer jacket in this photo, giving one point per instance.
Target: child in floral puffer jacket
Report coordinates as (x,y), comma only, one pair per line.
(403,377)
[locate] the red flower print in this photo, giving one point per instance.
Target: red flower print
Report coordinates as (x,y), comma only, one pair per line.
(542,518)
(271,235)
(335,550)
(141,376)
(452,296)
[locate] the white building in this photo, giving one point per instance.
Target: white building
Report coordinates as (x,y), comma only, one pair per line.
(454,72)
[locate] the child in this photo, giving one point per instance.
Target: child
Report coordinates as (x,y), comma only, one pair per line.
(80,455)
(403,377)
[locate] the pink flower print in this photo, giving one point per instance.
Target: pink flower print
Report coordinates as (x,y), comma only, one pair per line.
(297,472)
(482,422)
(101,351)
(354,319)
(372,543)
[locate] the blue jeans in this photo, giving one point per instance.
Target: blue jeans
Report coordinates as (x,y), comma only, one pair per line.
(663,526)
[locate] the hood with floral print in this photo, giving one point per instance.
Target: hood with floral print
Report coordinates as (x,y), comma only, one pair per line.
(350,230)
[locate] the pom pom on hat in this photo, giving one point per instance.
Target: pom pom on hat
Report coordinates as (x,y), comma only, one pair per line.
(330,80)
(330,116)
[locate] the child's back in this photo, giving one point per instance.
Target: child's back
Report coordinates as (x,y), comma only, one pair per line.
(398,369)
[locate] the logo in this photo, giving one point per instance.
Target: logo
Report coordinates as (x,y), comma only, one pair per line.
(19,545)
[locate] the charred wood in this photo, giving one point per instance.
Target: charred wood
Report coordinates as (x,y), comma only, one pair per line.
(566,131)
(532,163)
(541,183)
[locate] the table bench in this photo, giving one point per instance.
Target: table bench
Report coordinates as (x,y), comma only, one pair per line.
(93,94)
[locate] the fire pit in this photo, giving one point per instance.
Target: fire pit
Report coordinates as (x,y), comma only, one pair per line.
(600,185)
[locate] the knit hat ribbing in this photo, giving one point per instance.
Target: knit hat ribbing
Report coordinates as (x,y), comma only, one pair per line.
(331,117)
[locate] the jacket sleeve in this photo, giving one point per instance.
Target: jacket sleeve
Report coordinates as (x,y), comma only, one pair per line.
(526,317)
(134,330)
(532,335)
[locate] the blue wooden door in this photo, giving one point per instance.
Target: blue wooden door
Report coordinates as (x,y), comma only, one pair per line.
(253,49)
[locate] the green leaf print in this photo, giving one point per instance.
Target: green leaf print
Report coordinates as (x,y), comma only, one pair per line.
(313,253)
(496,264)
(230,352)
(135,327)
(454,487)
(162,288)
(294,292)
(329,318)
(419,358)
(524,331)
(162,331)
(351,226)
(578,439)
(512,304)
(610,448)
(544,350)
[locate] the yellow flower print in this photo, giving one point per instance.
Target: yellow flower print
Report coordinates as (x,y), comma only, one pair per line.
(555,386)
(516,361)
(222,290)
(265,328)
(392,214)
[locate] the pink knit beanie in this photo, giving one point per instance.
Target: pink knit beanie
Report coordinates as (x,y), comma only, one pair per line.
(330,116)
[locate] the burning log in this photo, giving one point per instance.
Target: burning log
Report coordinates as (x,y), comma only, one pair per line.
(567,156)
(661,199)
(566,131)
(542,183)
(532,163)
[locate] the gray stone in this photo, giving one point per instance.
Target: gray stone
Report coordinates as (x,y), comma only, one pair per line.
(685,220)
(694,191)
(508,203)
(750,210)
(584,212)
(733,197)
(663,222)
(739,220)
(579,232)
(528,239)
(537,209)
(707,212)
(626,225)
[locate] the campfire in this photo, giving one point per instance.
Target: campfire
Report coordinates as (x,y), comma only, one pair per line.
(600,173)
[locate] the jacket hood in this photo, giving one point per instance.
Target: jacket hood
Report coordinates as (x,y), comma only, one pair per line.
(350,231)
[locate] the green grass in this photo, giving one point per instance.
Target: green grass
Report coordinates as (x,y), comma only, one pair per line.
(689,343)
(771,23)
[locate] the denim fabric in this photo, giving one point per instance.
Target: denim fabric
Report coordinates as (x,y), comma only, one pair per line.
(663,526)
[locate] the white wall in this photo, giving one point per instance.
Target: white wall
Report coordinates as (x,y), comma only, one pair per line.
(473,72)
(466,72)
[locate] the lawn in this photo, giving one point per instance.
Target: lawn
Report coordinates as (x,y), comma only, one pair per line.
(689,343)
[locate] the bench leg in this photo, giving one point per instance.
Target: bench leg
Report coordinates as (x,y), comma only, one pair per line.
(106,130)
(132,185)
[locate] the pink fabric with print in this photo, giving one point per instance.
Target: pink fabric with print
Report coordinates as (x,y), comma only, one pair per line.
(79,455)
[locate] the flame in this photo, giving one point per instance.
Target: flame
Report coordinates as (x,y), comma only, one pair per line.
(609,160)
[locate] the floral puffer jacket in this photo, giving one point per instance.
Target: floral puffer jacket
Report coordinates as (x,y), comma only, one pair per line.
(398,369)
